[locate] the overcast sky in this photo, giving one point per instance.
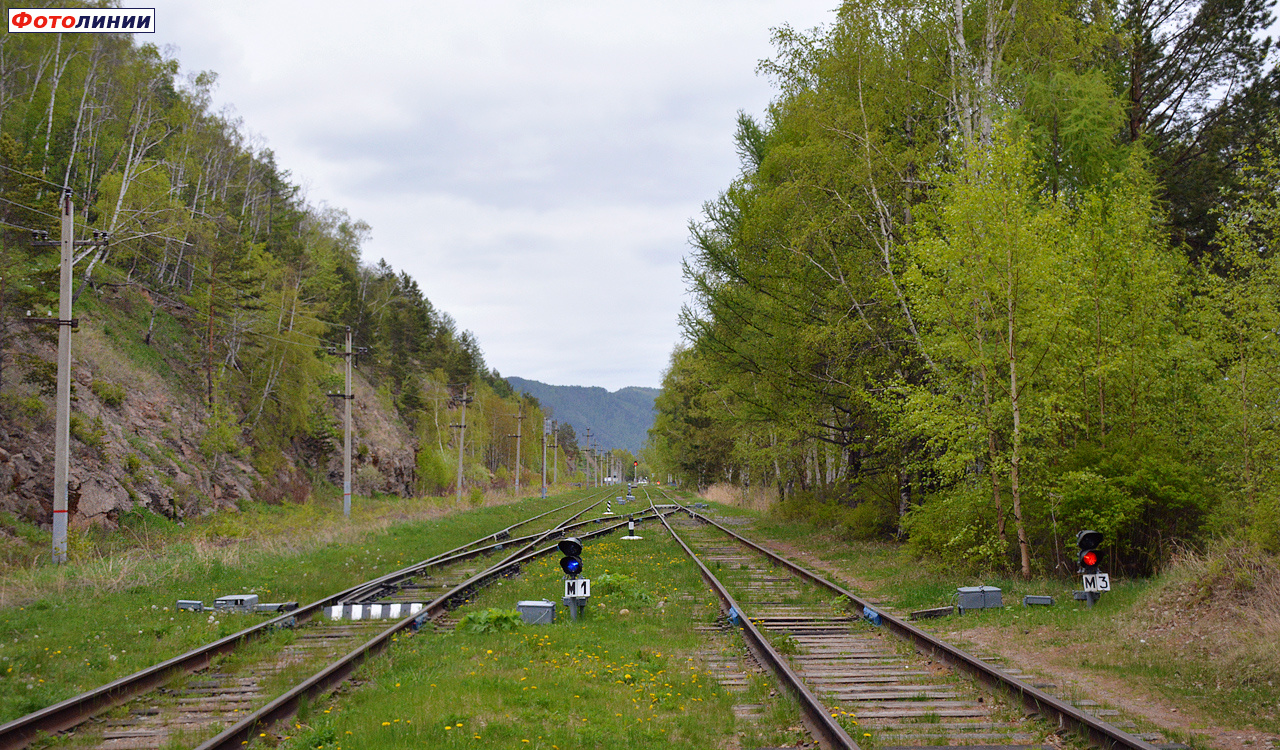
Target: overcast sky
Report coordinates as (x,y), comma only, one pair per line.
(534,165)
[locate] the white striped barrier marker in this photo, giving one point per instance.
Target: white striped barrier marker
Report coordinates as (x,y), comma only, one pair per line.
(373,611)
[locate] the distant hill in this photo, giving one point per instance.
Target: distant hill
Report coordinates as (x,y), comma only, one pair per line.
(620,419)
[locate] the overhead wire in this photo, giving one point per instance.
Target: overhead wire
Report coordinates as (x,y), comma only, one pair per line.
(160,264)
(30,176)
(30,208)
(15,226)
(196,270)
(202,316)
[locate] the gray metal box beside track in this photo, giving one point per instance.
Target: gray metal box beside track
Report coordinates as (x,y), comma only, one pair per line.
(236,603)
(979,597)
(537,612)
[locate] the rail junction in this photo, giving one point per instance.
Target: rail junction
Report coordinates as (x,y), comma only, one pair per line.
(811,635)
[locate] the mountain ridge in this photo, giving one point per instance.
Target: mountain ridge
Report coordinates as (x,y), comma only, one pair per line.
(618,419)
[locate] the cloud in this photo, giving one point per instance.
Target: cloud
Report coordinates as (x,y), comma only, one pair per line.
(532,165)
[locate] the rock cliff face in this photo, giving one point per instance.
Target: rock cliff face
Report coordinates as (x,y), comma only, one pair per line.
(137,442)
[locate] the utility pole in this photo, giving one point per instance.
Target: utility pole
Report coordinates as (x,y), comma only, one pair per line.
(346,433)
(555,454)
(546,429)
(347,397)
(519,422)
(462,436)
(65,323)
(590,461)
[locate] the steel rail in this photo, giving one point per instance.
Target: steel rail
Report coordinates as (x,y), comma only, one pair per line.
(1067,716)
(494,547)
(373,587)
(822,727)
(505,533)
(238,735)
(77,709)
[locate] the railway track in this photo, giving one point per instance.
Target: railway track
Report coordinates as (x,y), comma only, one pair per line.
(265,671)
(887,686)
(892,685)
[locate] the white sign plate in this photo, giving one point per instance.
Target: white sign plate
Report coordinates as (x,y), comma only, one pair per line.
(1097,582)
(577,587)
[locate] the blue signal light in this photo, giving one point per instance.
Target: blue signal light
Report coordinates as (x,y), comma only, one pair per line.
(571,548)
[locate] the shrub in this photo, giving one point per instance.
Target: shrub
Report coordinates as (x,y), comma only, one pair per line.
(853,512)
(868,520)
(490,621)
(287,485)
(368,480)
(956,529)
(42,374)
(623,588)
(90,435)
(28,411)
(146,523)
(1265,529)
(1141,495)
(221,433)
(110,394)
(434,472)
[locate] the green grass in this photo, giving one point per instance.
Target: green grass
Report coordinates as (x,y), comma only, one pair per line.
(1239,693)
(124,323)
(614,678)
(110,611)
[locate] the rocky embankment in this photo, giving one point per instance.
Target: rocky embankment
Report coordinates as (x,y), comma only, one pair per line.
(138,441)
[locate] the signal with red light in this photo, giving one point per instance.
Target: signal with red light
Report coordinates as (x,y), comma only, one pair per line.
(1089,557)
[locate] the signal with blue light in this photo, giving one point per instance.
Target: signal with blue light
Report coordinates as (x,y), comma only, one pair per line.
(571,563)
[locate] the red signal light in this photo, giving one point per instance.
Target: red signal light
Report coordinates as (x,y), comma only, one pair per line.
(1088,541)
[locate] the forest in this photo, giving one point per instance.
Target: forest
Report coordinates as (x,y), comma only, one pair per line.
(215,250)
(995,271)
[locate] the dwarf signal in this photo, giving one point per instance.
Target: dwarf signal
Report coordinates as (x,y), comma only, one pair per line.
(576,590)
(1089,558)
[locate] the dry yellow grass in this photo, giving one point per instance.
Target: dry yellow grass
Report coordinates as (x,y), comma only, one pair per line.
(755,498)
(226,539)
